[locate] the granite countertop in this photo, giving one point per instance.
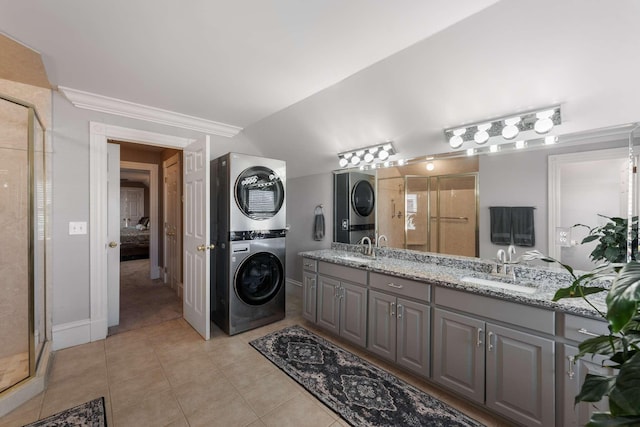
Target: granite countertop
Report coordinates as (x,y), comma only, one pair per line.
(447,271)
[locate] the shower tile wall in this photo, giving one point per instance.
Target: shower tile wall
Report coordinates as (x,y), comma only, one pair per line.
(14,235)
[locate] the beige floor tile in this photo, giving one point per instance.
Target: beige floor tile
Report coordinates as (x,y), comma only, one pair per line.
(24,414)
(134,390)
(236,412)
(123,366)
(270,391)
(257,423)
(296,412)
(210,389)
(248,371)
(157,409)
(131,341)
(73,393)
(340,423)
(188,370)
(176,352)
(81,362)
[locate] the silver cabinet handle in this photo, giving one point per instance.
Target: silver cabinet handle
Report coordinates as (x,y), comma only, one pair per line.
(571,373)
(583,331)
(400,310)
(393,285)
(479,340)
(393,309)
(489,341)
(341,292)
(336,293)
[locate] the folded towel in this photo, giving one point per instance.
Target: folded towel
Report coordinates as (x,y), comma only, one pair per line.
(500,218)
(318,226)
(522,225)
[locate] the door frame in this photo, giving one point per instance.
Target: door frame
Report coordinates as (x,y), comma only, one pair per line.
(153,211)
(176,158)
(99,134)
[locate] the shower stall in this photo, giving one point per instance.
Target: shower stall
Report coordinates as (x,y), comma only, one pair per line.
(25,206)
(430,213)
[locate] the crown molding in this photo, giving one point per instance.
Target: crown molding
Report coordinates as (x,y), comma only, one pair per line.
(119,107)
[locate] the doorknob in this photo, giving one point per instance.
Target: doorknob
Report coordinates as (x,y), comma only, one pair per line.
(206,247)
(113,244)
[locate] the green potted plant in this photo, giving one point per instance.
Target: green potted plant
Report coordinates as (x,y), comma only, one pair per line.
(622,345)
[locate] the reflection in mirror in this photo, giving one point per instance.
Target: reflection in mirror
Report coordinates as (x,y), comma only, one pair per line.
(632,203)
(430,206)
(354,206)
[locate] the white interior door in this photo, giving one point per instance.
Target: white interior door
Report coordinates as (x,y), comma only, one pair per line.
(196,303)
(113,234)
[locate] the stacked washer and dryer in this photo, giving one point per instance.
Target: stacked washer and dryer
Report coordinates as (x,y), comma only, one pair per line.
(248,215)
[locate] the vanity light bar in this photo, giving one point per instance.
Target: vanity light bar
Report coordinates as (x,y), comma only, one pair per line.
(367,155)
(509,127)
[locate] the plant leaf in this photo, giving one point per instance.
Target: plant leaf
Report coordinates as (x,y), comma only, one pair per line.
(604,419)
(590,238)
(622,299)
(625,395)
(594,388)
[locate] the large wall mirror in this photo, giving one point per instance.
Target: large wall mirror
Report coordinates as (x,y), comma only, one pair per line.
(442,204)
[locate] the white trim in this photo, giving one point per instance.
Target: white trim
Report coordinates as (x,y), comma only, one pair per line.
(556,161)
(99,133)
(153,207)
(119,107)
(72,333)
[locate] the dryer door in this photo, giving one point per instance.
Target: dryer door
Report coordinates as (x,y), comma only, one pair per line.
(259,192)
(363,198)
(259,278)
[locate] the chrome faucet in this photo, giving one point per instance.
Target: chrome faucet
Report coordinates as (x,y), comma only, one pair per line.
(369,250)
(511,251)
(379,241)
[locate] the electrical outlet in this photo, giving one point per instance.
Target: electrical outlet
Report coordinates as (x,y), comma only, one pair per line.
(77,227)
(563,236)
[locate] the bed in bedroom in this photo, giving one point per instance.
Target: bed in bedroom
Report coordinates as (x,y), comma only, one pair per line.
(134,243)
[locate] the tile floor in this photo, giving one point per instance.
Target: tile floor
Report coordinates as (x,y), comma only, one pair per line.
(166,375)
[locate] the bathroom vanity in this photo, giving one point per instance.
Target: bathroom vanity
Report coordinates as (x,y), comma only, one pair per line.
(507,348)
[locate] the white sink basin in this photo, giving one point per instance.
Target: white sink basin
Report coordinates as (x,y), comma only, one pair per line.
(497,284)
(358,259)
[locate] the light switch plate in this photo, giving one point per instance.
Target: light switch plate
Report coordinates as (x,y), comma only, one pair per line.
(77,227)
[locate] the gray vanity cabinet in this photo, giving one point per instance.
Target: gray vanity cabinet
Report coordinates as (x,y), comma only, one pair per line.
(399,331)
(508,370)
(572,372)
(309,289)
(342,305)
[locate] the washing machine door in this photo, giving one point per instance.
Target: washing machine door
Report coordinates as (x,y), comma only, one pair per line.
(259,278)
(259,192)
(363,198)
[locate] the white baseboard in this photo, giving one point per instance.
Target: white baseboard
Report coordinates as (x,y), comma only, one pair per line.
(156,272)
(72,333)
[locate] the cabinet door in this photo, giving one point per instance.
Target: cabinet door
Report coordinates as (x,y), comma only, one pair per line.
(382,325)
(413,336)
(353,313)
(458,353)
(309,296)
(328,311)
(520,376)
(574,375)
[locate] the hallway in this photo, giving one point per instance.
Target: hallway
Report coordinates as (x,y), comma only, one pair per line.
(144,302)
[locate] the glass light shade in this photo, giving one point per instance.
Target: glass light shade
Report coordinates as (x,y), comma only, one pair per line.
(551,139)
(521,144)
(373,150)
(510,130)
(383,154)
(343,162)
(386,164)
(543,125)
(359,153)
(368,157)
(430,166)
(347,155)
(386,147)
(355,160)
(470,151)
(455,141)
(481,136)
(400,162)
(494,148)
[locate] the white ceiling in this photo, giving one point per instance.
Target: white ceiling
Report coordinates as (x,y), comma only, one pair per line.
(307,79)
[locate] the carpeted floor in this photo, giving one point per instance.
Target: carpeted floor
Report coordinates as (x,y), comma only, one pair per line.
(144,302)
(363,394)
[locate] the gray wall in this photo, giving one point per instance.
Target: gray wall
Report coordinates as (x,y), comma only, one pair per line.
(70,135)
(303,195)
(521,179)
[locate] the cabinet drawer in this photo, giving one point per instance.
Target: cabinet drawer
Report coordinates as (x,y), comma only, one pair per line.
(578,328)
(341,272)
(400,286)
(309,264)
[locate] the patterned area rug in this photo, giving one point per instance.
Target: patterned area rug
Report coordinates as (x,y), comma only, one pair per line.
(89,414)
(361,393)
